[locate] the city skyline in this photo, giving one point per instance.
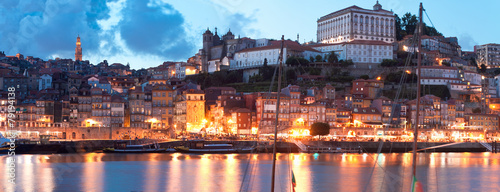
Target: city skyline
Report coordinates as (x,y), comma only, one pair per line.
(121,31)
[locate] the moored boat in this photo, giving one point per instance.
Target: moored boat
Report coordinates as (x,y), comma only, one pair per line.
(124,148)
(200,147)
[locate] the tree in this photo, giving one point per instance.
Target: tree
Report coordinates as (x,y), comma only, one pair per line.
(291,75)
(365,77)
(446,63)
(333,57)
(346,63)
(311,58)
(476,110)
(319,129)
(399,30)
(483,68)
(265,62)
(319,58)
(389,63)
(296,61)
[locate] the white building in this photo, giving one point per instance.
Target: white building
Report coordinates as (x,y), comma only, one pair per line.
(355,23)
(255,57)
(364,36)
(45,82)
(488,54)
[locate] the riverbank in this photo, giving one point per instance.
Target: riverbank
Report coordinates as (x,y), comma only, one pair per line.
(84,146)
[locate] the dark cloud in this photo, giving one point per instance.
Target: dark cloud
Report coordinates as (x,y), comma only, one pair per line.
(155,29)
(43,28)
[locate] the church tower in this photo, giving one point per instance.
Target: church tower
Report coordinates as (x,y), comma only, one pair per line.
(208,43)
(78,49)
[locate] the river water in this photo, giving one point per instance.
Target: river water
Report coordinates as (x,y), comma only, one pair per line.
(251,172)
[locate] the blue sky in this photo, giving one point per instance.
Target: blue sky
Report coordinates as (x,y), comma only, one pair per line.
(145,33)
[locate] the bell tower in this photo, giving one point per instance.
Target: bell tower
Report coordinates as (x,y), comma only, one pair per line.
(78,49)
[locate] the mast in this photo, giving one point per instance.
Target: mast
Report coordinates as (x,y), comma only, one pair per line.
(419,61)
(277,114)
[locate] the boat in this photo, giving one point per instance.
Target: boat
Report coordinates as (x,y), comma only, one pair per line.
(4,142)
(331,150)
(122,147)
(224,148)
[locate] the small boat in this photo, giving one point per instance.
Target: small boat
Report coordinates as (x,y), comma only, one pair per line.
(331,150)
(200,147)
(124,148)
(4,142)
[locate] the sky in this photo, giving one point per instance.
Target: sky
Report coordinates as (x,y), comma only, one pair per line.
(146,33)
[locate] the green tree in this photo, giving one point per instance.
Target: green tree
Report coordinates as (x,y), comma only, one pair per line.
(311,58)
(296,61)
(346,63)
(319,58)
(265,62)
(399,30)
(446,63)
(291,75)
(320,129)
(389,63)
(483,68)
(333,57)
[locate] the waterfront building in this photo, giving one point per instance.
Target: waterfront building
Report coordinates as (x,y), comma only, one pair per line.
(189,109)
(117,111)
(163,106)
(242,119)
(367,117)
(481,121)
(136,100)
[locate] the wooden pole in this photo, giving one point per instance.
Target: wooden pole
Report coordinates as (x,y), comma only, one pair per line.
(415,132)
(277,115)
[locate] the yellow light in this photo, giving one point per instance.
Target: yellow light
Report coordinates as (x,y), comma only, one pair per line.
(230,121)
(205,121)
(378,78)
(408,71)
(152,120)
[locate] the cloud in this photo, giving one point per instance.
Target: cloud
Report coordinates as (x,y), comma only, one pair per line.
(155,28)
(49,27)
(127,29)
(467,42)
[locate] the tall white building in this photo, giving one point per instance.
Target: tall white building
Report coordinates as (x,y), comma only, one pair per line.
(355,23)
(364,36)
(488,54)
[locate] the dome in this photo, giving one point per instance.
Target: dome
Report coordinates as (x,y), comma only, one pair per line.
(377,6)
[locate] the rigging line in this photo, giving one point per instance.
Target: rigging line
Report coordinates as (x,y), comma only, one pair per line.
(408,60)
(245,174)
(429,19)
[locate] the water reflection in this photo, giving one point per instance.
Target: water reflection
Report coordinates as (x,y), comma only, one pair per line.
(313,172)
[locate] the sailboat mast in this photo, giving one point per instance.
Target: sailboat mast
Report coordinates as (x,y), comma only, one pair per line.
(419,61)
(277,114)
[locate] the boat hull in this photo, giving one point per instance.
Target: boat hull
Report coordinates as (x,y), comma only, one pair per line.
(214,151)
(134,151)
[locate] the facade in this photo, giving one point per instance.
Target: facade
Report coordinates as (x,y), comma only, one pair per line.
(257,56)
(488,55)
(355,23)
(216,48)
(163,106)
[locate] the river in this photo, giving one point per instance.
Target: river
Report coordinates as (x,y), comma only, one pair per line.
(251,172)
